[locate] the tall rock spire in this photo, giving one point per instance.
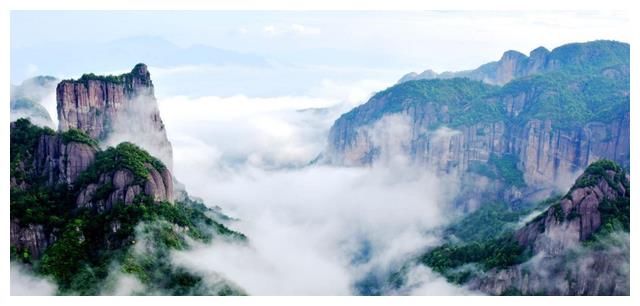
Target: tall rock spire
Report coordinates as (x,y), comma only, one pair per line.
(113,109)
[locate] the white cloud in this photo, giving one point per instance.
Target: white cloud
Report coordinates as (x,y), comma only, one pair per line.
(123,284)
(304,30)
(246,153)
(270,30)
(32,70)
(266,132)
(294,29)
(307,226)
(353,93)
(422,281)
(23,282)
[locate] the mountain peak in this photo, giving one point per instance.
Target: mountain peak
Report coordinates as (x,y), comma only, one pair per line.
(120,108)
(539,52)
(140,69)
(512,54)
(513,64)
(607,172)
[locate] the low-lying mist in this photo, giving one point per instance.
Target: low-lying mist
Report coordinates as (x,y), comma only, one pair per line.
(313,229)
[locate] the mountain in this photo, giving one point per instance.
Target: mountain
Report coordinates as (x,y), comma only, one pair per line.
(538,130)
(114,109)
(26,99)
(90,216)
(578,245)
(594,55)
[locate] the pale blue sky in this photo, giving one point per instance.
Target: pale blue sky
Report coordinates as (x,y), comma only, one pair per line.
(311,46)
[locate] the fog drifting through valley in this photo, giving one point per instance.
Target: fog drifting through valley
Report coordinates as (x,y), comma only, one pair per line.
(313,229)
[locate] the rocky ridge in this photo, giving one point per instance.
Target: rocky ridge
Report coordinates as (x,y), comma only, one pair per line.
(553,124)
(514,64)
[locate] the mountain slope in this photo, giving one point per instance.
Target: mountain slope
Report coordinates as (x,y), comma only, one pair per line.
(78,214)
(551,124)
(579,245)
(105,221)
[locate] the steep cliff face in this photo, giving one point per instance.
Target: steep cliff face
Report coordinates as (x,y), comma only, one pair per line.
(513,64)
(114,109)
(62,160)
(31,238)
(554,123)
(568,258)
(553,155)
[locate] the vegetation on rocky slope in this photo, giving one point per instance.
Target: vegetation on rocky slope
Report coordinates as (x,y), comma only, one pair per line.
(124,155)
(502,168)
(590,85)
(477,247)
(93,247)
(76,135)
(92,243)
(24,139)
(462,98)
(570,100)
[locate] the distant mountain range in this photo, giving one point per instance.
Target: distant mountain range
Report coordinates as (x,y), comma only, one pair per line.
(513,64)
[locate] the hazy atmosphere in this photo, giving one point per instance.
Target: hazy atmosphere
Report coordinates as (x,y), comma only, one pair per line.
(295,131)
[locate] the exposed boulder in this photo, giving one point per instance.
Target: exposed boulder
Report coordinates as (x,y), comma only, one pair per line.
(121,186)
(122,175)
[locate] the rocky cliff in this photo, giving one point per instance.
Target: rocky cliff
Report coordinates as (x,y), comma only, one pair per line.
(61,160)
(113,109)
(65,172)
(513,64)
(30,238)
(580,245)
(551,124)
(78,211)
(579,214)
(137,174)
